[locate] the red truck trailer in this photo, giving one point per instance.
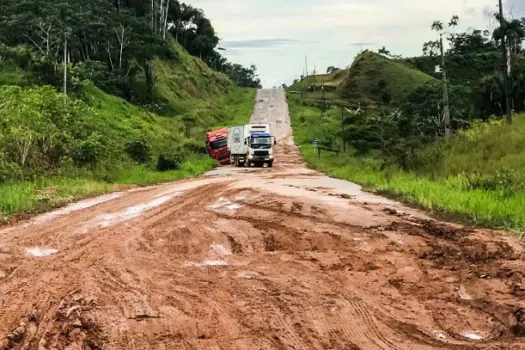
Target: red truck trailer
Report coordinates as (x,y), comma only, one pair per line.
(217,145)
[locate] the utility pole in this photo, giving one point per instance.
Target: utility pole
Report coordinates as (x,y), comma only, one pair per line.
(445,89)
(506,65)
(343,128)
(306,65)
(324,98)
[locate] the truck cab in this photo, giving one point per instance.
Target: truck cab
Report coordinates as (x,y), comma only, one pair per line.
(217,145)
(260,149)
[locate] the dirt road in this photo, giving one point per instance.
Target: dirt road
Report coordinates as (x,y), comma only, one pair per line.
(281,258)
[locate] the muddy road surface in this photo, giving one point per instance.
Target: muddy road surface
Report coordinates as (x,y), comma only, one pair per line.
(281,258)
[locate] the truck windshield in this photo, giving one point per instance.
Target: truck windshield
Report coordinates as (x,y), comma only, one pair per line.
(261,142)
(219,144)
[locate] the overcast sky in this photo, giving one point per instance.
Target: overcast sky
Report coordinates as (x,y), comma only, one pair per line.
(276,35)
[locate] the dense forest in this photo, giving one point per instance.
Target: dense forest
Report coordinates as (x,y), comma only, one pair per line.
(111,43)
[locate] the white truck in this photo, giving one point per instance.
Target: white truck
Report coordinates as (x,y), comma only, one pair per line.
(251,144)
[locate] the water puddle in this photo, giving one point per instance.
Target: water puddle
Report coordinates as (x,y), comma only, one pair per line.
(130,213)
(74,207)
(463,293)
(241,196)
(247,274)
(472,336)
(215,257)
(219,249)
(205,263)
(441,335)
(41,252)
(224,203)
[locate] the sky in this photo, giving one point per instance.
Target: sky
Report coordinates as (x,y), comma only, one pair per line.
(277,35)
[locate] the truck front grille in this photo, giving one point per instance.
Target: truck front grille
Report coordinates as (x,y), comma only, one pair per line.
(262,153)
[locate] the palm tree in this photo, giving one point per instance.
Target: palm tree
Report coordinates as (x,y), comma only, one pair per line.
(437,26)
(515,34)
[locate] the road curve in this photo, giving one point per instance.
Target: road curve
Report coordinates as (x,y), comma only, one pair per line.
(282,258)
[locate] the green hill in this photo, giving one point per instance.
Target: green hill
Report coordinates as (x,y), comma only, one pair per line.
(185,78)
(372,79)
(327,80)
(376,79)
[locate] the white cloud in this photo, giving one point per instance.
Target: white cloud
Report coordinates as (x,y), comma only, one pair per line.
(325,30)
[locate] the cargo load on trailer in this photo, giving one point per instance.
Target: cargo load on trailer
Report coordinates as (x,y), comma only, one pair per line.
(251,144)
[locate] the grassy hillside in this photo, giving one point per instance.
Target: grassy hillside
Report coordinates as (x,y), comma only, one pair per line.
(185,78)
(97,142)
(372,79)
(491,149)
(376,79)
(476,176)
(335,79)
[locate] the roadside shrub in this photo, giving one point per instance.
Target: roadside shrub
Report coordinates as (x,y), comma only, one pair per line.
(194,146)
(90,151)
(9,170)
(139,150)
(165,163)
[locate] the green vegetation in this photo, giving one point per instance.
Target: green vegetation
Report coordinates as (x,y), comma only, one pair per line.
(56,150)
(371,80)
(475,176)
(141,93)
(375,79)
(114,44)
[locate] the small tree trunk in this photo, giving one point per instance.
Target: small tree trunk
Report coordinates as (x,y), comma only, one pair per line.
(110,59)
(166,20)
(65,64)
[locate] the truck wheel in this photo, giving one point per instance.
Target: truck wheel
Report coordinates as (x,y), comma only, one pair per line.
(270,164)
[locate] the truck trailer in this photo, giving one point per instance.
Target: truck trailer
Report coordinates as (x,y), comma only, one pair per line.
(251,144)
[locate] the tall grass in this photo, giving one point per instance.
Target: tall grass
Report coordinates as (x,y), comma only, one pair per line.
(445,185)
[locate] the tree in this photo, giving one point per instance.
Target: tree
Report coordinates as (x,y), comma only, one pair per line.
(433,47)
(515,35)
(384,51)
(470,43)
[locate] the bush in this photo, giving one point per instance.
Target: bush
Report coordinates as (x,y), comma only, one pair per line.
(90,151)
(165,163)
(194,146)
(139,150)
(9,170)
